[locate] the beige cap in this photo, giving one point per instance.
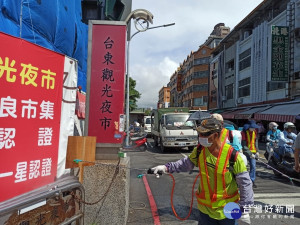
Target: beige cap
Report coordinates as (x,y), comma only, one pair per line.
(217,116)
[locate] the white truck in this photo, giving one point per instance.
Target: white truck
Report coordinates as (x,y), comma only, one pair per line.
(147,125)
(170,128)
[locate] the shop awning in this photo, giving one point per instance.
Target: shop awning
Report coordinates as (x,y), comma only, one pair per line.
(280,113)
(217,111)
(231,114)
(247,114)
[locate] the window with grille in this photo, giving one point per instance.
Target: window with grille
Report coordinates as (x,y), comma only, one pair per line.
(245,59)
(229,91)
(244,87)
(200,87)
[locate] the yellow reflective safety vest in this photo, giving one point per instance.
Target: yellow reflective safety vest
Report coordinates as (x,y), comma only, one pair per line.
(219,196)
(224,135)
(250,139)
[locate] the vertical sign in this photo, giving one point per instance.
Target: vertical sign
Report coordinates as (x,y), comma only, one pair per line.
(280,53)
(30,110)
(179,87)
(80,105)
(106,98)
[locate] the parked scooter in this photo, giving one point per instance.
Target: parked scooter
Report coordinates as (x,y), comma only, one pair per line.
(136,141)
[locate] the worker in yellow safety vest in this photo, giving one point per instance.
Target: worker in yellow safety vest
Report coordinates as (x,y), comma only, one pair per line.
(224,180)
(226,135)
(250,147)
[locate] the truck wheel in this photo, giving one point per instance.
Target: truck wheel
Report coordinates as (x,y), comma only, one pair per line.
(155,141)
(162,148)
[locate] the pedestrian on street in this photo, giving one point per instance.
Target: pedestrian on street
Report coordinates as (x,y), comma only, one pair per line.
(297,150)
(250,147)
(223,175)
(230,135)
(261,131)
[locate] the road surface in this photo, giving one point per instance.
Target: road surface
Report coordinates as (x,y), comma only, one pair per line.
(277,200)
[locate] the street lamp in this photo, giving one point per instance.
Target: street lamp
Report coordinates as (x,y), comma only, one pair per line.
(142,18)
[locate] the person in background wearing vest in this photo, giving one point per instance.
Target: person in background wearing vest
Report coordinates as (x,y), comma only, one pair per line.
(230,136)
(223,180)
(225,133)
(250,147)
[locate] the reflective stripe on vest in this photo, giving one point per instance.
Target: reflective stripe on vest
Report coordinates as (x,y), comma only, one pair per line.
(224,135)
(218,197)
(251,141)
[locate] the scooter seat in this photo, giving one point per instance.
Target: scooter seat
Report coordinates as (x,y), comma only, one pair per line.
(135,138)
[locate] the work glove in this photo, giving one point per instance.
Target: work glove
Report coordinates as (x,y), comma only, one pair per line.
(255,156)
(245,219)
(158,170)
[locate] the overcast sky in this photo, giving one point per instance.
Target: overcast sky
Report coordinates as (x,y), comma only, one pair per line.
(156,54)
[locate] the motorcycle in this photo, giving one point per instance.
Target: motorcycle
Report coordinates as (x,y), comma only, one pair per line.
(284,163)
(136,141)
(270,146)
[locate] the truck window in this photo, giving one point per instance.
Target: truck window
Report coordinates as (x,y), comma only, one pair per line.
(148,121)
(178,120)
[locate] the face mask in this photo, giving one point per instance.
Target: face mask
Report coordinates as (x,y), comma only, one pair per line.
(204,142)
(251,129)
(274,128)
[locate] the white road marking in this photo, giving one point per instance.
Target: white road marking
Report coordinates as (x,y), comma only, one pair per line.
(276,195)
(282,199)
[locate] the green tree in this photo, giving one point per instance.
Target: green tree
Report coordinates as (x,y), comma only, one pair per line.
(147,112)
(134,95)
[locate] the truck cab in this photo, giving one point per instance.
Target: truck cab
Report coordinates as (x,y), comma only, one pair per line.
(170,129)
(147,125)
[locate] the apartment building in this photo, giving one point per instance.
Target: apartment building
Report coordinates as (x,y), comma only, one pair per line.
(195,79)
(255,69)
(175,87)
(259,61)
(189,84)
(164,97)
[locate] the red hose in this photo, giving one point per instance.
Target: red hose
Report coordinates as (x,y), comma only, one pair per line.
(172,193)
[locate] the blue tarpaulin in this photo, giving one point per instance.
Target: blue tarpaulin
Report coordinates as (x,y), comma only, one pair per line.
(53,24)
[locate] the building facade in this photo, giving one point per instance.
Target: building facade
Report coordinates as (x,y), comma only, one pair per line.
(259,61)
(164,97)
(190,83)
(175,87)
